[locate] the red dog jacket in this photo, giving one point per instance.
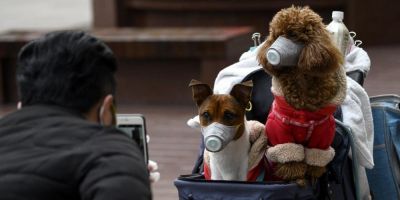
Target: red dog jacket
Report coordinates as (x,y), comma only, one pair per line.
(311,129)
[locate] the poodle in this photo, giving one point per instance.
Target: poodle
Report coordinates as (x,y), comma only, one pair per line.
(300,127)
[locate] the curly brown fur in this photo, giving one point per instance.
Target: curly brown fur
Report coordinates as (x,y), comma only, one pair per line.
(291,171)
(313,82)
(309,92)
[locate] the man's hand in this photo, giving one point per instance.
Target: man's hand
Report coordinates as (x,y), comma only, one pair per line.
(152,166)
(154,174)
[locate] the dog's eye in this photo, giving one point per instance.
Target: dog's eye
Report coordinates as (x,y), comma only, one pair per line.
(206,116)
(229,116)
(290,34)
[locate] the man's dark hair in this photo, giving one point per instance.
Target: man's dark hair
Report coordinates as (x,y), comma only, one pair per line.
(71,69)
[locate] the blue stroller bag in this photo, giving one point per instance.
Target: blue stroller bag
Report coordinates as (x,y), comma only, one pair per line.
(384,178)
(193,187)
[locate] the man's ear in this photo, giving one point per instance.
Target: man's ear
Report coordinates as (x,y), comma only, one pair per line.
(242,92)
(19,105)
(200,91)
(107,113)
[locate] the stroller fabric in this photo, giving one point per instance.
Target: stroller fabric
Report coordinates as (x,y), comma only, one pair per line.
(384,178)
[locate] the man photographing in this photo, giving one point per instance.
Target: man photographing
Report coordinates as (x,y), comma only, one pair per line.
(61,144)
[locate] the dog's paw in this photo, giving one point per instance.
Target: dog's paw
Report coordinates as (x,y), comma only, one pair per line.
(314,172)
(256,129)
(301,182)
(291,171)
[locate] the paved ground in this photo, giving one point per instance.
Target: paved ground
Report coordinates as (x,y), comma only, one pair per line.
(173,145)
(384,76)
(44,14)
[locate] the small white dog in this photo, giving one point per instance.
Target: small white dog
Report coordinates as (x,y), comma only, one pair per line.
(223,124)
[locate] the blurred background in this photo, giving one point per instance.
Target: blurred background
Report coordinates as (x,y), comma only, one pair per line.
(162,44)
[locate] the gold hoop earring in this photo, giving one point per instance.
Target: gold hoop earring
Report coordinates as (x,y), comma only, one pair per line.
(249,107)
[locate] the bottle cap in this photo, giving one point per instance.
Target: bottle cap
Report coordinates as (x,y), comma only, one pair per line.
(337,15)
(213,144)
(273,57)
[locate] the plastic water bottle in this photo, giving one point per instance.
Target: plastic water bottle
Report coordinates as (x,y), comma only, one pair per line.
(339,33)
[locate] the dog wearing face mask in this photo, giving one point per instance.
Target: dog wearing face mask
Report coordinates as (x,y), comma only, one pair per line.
(300,126)
(229,139)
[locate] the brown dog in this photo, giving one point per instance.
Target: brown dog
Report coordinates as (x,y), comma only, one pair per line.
(300,127)
(222,118)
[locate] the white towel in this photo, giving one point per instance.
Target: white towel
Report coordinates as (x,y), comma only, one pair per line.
(357,115)
(236,72)
(357,59)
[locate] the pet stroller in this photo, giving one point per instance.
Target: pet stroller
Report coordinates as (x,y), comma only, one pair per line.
(338,183)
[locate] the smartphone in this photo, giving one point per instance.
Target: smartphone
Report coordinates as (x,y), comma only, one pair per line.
(134,125)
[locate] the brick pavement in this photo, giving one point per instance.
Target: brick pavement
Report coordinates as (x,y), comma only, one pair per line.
(384,77)
(44,14)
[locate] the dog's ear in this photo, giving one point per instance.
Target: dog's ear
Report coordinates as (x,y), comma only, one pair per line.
(200,91)
(242,92)
(320,57)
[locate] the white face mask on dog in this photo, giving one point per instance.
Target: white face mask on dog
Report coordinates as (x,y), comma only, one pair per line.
(217,136)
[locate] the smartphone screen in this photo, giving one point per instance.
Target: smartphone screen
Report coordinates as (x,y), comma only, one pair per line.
(134,126)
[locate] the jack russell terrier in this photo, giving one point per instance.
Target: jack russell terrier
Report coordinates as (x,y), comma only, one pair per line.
(226,132)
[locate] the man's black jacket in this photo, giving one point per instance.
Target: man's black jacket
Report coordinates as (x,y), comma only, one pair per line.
(47,152)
